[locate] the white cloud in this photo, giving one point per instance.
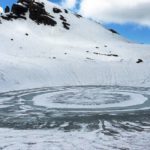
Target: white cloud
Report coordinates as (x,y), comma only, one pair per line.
(117,11)
(1,10)
(69,3)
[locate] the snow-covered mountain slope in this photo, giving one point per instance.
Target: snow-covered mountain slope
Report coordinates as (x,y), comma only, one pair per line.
(42,44)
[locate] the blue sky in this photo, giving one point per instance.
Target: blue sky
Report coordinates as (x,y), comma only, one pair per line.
(135,31)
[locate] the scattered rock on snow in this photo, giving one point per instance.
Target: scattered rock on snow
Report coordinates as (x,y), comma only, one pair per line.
(78,16)
(114,55)
(113,31)
(66,25)
(57,10)
(66,11)
(63,18)
(139,61)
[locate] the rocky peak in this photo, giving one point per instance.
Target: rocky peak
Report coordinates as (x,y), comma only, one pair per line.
(36,11)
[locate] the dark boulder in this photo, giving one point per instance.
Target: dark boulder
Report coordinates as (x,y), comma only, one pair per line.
(41,5)
(6,18)
(78,16)
(114,55)
(7,9)
(66,25)
(57,10)
(139,61)
(113,31)
(66,11)
(19,9)
(36,10)
(25,2)
(12,16)
(38,14)
(63,18)
(46,20)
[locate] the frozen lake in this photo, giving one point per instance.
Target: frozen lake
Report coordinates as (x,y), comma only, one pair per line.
(79,117)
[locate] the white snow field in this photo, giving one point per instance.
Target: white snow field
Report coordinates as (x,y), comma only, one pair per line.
(68,83)
(74,140)
(54,56)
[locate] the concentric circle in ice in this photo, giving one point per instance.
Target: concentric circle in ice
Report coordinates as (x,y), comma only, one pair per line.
(89,98)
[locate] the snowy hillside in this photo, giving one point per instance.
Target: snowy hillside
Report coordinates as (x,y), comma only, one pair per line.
(42,44)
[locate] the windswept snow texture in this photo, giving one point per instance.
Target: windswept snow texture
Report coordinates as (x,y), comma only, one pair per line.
(41,55)
(74,140)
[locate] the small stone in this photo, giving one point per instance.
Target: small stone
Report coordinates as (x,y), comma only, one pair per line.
(139,61)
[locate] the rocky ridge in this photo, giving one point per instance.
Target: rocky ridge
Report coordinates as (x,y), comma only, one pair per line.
(36,11)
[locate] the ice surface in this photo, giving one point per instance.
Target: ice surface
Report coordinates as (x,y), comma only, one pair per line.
(90,98)
(102,117)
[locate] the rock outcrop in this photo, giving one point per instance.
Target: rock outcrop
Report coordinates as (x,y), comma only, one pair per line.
(36,11)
